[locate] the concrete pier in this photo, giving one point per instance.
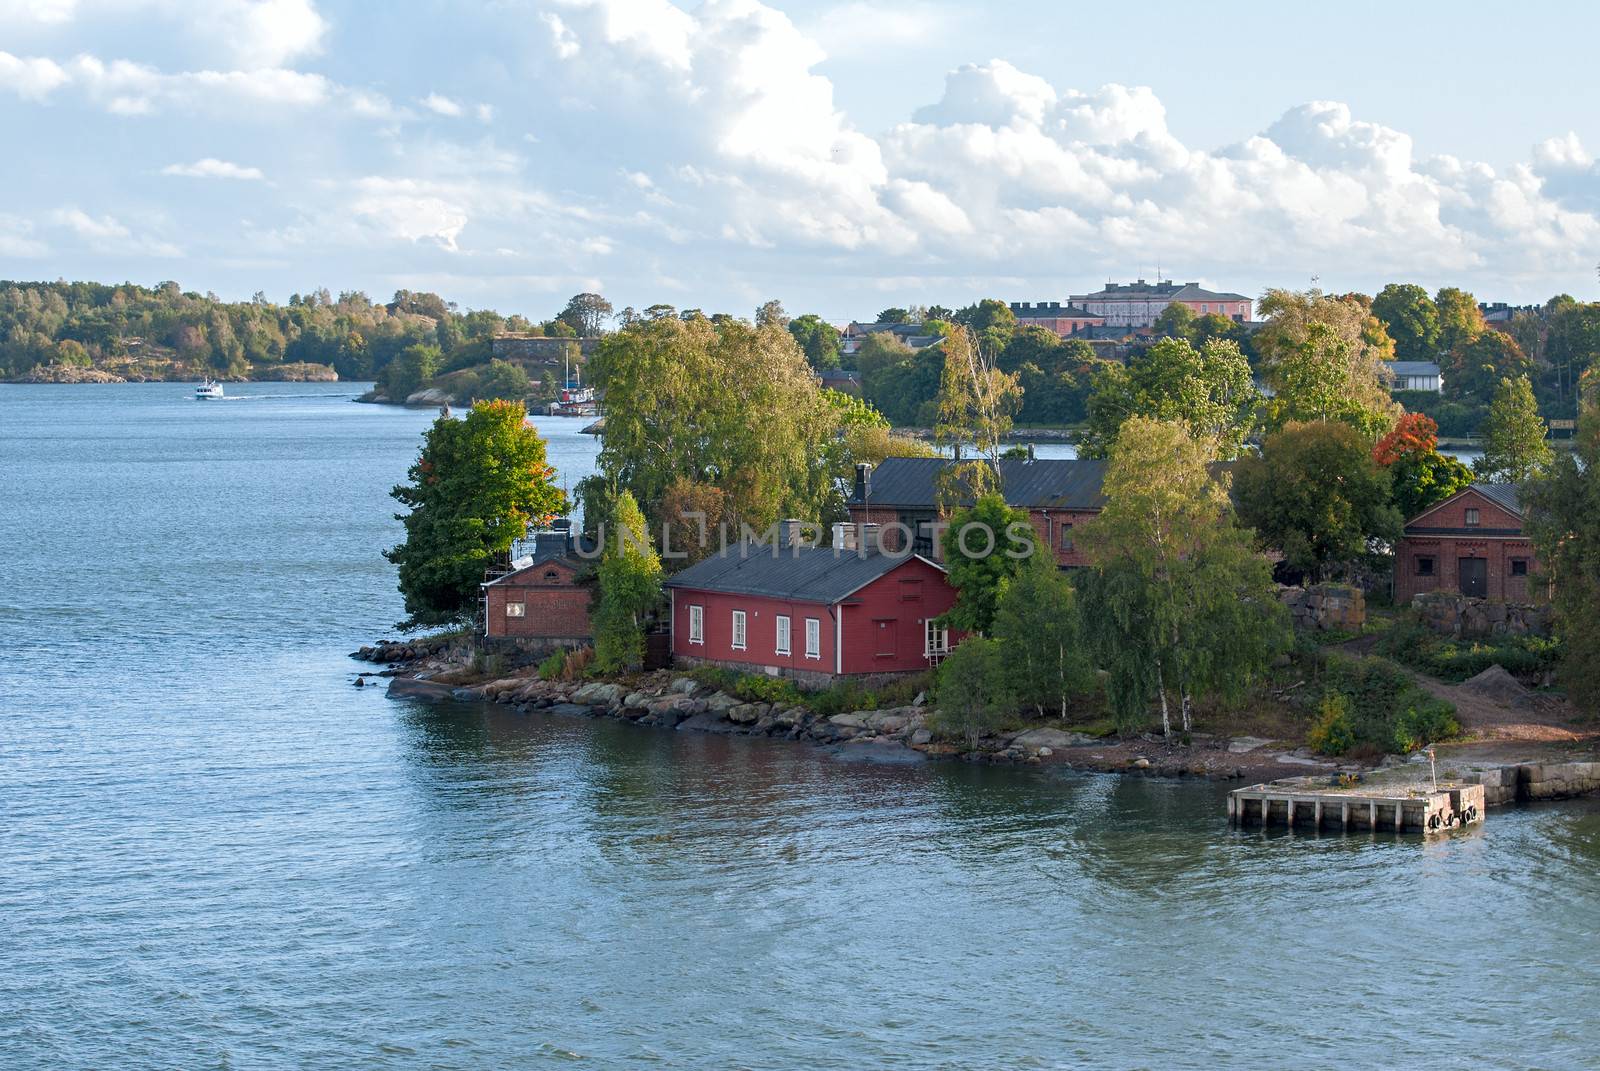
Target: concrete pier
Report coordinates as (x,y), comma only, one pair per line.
(1412,812)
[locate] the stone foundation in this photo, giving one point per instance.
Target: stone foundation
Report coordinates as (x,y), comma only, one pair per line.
(1457,615)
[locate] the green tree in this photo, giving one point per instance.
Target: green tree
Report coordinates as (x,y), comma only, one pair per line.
(409,372)
(1325,357)
(1316,494)
(586,314)
(1412,320)
(1209,390)
(629,580)
(504,380)
(984,546)
(1514,446)
(1460,320)
(976,404)
(771,313)
(1474,370)
(1177,320)
(818,340)
(1563,512)
(1572,346)
(974,690)
(894,315)
(1036,622)
(475,488)
(1175,599)
(725,404)
(1424,479)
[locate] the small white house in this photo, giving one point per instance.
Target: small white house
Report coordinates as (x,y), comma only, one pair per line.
(1416,375)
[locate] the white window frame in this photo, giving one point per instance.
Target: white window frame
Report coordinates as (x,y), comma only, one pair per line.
(814,638)
(783,638)
(516,609)
(740,631)
(935,640)
(697,623)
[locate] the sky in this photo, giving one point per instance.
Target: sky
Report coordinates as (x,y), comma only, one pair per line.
(838,156)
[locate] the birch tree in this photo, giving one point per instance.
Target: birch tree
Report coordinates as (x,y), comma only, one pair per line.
(976,404)
(1176,605)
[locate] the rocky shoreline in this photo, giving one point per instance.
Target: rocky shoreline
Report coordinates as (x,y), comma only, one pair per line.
(672,701)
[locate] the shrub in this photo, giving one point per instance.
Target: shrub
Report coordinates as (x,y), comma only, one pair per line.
(1425,723)
(1384,707)
(1332,733)
(1455,660)
(759,688)
(553,665)
(566,665)
(974,691)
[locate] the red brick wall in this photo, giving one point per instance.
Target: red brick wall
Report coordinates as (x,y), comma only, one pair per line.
(1498,539)
(553,607)
(1051,524)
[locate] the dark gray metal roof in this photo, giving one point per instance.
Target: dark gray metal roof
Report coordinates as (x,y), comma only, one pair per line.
(1501,494)
(1413,368)
(1055,483)
(805,574)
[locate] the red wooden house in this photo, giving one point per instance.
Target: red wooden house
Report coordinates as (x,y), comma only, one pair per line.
(811,613)
(1472,543)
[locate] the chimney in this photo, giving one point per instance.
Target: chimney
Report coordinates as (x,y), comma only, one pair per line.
(844,536)
(863,482)
(958,452)
(789,534)
(869,538)
(1030,452)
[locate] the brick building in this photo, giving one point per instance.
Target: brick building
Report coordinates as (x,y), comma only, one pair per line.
(1065,320)
(1472,543)
(1137,304)
(545,597)
(901,497)
(810,613)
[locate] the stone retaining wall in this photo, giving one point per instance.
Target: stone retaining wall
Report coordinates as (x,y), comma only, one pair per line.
(1458,615)
(1326,607)
(1538,781)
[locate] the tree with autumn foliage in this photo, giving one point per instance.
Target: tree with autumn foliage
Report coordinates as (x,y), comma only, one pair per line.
(477,486)
(1419,475)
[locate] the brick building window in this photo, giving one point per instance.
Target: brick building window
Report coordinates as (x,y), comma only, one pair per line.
(515,609)
(1066,535)
(782,644)
(697,624)
(738,630)
(1424,566)
(1472,518)
(1519,567)
(813,637)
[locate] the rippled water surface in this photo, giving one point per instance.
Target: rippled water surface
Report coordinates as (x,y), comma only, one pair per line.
(216,853)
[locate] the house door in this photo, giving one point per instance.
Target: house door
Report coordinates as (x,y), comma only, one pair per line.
(1473,574)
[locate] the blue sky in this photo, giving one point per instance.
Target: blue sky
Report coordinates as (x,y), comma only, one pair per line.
(838,156)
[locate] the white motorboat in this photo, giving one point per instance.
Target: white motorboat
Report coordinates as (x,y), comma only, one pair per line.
(208,391)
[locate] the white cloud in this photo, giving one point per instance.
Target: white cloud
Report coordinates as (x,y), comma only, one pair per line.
(31,78)
(37,12)
(124,87)
(409,210)
(210,167)
(266,33)
(16,238)
(441,105)
(107,234)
